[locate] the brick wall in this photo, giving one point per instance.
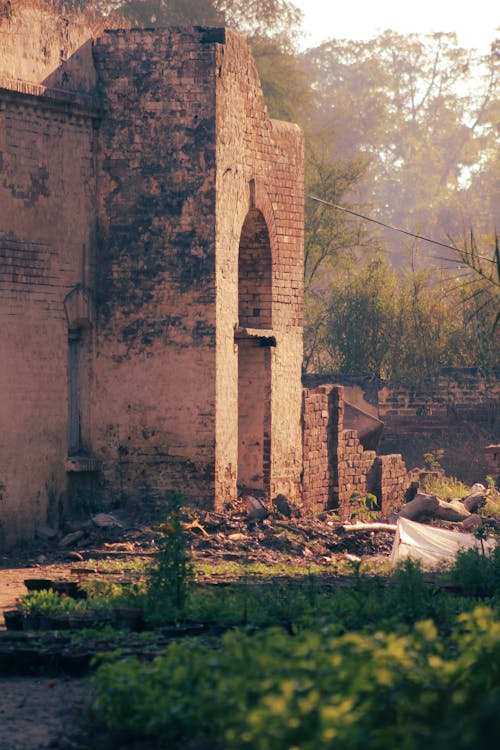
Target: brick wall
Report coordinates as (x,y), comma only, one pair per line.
(335,464)
(151,230)
(460,394)
(357,472)
(392,481)
(47,230)
(154,401)
(316,477)
(259,228)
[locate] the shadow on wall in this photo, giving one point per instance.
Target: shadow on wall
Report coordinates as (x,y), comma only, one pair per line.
(368,426)
(463,447)
(75,73)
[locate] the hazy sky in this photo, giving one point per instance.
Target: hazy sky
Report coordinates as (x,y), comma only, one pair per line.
(474,21)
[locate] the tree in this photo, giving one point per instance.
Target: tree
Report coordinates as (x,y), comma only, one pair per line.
(402,327)
(422,111)
(484,292)
(277,19)
(362,311)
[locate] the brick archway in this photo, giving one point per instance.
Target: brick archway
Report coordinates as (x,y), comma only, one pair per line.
(254,357)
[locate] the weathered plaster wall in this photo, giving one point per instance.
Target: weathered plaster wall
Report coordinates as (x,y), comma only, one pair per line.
(259,169)
(154,407)
(47,209)
(45,49)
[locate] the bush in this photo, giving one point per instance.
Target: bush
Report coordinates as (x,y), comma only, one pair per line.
(170,576)
(476,573)
(315,691)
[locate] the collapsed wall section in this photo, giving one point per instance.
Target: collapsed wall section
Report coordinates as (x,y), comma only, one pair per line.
(317,468)
(155,372)
(338,472)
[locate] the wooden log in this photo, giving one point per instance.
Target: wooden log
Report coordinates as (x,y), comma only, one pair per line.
(369,527)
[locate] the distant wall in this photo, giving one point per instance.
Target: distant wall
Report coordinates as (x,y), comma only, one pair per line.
(459,395)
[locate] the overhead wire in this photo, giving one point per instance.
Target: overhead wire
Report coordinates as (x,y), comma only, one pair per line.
(396,229)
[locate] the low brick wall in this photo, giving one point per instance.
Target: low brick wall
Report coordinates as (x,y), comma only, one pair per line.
(335,463)
(357,470)
(460,394)
(393,481)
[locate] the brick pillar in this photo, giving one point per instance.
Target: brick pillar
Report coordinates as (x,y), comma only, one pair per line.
(316,478)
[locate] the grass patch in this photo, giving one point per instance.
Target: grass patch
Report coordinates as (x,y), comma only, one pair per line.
(492,505)
(446,488)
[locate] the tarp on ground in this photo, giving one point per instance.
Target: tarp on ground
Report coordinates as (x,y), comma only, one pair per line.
(430,545)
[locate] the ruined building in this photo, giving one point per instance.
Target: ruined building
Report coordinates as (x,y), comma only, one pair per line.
(151,259)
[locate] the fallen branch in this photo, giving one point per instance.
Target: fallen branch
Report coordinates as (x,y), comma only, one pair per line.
(369,527)
(195,525)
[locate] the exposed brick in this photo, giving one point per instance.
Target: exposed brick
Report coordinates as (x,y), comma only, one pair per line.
(146,170)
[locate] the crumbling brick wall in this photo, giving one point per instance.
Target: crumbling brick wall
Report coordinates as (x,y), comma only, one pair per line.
(316,477)
(196,184)
(142,177)
(260,176)
(336,466)
(154,405)
(392,481)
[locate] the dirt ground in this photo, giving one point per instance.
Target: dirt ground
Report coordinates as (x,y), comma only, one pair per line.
(40,713)
(36,713)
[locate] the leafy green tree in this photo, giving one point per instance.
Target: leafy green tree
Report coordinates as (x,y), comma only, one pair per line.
(361,333)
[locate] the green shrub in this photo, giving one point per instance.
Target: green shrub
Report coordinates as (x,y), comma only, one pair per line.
(476,573)
(170,576)
(48,602)
(314,691)
(410,594)
(363,508)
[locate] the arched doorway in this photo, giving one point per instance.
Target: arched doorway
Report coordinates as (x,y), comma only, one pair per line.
(254,355)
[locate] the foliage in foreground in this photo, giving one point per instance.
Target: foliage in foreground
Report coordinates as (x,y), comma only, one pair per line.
(274,691)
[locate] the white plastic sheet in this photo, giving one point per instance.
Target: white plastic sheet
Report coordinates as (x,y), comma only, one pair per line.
(430,545)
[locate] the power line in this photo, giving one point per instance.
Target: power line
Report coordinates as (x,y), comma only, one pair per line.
(393,229)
